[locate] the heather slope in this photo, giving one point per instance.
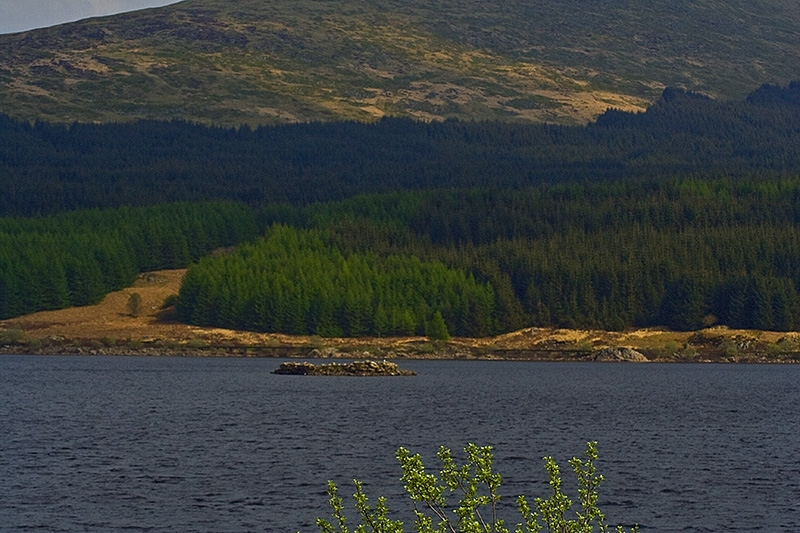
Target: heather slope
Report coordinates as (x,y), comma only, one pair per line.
(249,61)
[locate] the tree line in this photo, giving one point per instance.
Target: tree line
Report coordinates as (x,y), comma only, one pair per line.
(47,168)
(76,258)
(684,253)
(684,215)
(296,281)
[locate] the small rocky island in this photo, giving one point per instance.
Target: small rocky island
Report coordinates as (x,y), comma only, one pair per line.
(356,368)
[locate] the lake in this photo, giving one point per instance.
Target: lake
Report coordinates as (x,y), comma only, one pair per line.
(221,444)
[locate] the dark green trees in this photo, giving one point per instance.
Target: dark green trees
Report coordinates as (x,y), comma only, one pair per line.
(685,215)
(47,168)
(682,253)
(76,258)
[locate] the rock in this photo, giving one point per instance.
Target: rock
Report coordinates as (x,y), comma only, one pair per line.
(295,369)
(619,354)
(356,368)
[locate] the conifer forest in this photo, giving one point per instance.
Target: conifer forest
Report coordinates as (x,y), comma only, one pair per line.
(686,215)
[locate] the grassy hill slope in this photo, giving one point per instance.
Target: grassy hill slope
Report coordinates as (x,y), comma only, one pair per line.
(251,61)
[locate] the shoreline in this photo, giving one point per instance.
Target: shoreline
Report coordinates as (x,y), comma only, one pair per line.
(413,349)
(108,328)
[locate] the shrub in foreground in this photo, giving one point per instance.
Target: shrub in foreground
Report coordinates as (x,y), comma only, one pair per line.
(476,511)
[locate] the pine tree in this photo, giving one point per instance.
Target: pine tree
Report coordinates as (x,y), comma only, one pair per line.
(436,329)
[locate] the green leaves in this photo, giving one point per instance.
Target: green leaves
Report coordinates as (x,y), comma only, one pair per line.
(477,485)
(375,520)
(588,480)
(555,507)
(338,512)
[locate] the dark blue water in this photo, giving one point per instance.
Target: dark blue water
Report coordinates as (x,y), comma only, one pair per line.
(215,445)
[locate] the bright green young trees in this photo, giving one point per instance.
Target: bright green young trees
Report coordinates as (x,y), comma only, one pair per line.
(476,510)
(296,281)
(436,328)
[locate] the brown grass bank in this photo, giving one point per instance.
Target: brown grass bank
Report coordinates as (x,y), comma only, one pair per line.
(113,327)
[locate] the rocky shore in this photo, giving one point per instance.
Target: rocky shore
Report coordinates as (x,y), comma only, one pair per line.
(356,368)
(701,349)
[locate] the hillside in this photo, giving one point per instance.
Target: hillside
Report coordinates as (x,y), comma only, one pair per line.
(682,216)
(247,61)
(47,168)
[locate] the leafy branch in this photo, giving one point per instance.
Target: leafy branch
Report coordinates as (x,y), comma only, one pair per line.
(477,485)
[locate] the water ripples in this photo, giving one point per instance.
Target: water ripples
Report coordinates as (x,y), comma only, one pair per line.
(215,445)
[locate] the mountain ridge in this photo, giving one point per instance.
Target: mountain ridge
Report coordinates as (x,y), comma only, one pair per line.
(252,62)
